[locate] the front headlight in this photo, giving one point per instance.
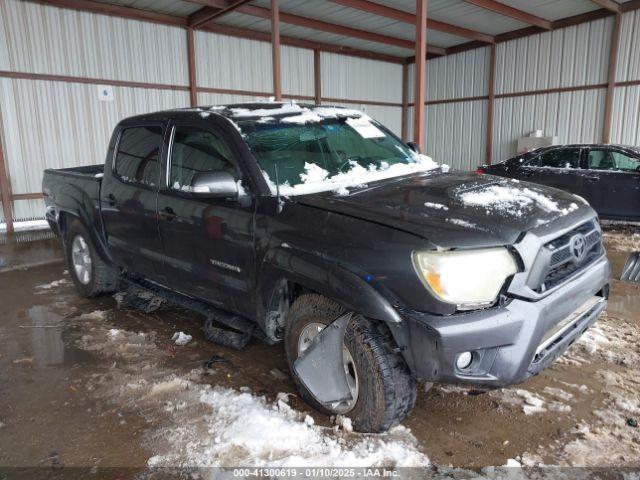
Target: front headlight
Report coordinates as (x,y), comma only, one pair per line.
(469,279)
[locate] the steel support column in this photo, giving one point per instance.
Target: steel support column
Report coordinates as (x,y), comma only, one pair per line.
(420,74)
(405,102)
(317,77)
(492,97)
(275,49)
(611,79)
(191,57)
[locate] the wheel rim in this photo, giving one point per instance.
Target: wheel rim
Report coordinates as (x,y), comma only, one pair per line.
(81,259)
(307,335)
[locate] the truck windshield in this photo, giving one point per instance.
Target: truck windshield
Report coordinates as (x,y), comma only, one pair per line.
(331,154)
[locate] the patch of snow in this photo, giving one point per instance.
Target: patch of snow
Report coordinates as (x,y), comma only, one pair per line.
(287,108)
(336,112)
(247,430)
(558,393)
(511,200)
(593,339)
(316,179)
(533,403)
(462,223)
(512,463)
(344,423)
(27,225)
(314,173)
(341,191)
(98,175)
(56,283)
(304,117)
(95,315)
(437,206)
(181,338)
(114,332)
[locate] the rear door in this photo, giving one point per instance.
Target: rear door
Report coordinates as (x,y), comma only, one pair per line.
(128,201)
(208,243)
(612,182)
(558,167)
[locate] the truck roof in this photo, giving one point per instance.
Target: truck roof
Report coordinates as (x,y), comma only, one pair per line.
(247,111)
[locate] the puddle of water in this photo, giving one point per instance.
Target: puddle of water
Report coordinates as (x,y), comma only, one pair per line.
(624,301)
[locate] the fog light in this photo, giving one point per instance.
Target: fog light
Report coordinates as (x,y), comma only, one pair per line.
(464,360)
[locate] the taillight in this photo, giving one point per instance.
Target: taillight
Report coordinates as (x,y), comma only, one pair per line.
(480,171)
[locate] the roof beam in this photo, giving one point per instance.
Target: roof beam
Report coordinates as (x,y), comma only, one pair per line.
(511,12)
(406,17)
(116,11)
(300,42)
(608,4)
(311,23)
(207,14)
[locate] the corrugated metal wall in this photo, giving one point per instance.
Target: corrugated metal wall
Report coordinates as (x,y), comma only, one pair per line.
(625,127)
(456,131)
(361,79)
(39,39)
(569,57)
(574,117)
(59,124)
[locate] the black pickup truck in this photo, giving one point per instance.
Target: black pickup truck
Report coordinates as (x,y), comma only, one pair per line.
(299,218)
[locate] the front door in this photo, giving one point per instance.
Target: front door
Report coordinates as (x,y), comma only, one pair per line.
(208,243)
(559,168)
(128,201)
(612,183)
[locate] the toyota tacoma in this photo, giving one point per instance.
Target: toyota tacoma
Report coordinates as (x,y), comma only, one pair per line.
(373,265)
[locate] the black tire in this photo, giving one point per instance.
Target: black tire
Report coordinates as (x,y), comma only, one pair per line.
(387,391)
(103,278)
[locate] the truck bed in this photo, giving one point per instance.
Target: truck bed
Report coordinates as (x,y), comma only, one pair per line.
(75,191)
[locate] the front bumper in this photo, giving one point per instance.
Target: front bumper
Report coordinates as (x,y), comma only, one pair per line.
(504,340)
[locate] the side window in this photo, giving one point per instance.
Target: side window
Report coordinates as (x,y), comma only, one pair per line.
(559,158)
(195,150)
(612,160)
(625,163)
(137,156)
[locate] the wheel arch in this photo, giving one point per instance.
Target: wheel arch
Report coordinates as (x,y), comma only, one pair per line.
(286,273)
(64,220)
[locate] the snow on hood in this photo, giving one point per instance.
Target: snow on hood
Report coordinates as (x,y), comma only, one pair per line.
(513,200)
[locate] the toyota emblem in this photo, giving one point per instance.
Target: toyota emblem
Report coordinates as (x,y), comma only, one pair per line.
(578,247)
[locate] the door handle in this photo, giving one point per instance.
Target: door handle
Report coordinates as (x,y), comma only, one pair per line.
(167,214)
(111,199)
(592,179)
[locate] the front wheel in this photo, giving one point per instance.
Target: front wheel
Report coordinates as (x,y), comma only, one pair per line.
(91,275)
(382,388)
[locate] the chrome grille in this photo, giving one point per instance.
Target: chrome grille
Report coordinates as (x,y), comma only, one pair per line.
(562,262)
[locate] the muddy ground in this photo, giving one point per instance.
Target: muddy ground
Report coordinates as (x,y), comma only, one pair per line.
(84,383)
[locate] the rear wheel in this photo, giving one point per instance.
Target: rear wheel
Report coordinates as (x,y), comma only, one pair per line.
(383,391)
(91,275)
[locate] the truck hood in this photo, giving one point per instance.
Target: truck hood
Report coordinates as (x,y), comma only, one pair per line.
(455,210)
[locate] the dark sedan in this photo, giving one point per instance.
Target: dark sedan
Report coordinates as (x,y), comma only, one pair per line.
(607,176)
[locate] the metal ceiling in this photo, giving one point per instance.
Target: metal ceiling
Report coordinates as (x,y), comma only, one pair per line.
(459,13)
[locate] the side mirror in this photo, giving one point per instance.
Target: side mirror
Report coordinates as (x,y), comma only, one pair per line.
(414,146)
(214,185)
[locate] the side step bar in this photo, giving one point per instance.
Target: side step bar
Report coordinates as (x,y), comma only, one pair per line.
(239,329)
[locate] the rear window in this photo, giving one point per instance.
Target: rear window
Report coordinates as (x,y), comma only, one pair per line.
(137,155)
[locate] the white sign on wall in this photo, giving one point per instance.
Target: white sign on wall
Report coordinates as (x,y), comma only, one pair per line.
(105,93)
